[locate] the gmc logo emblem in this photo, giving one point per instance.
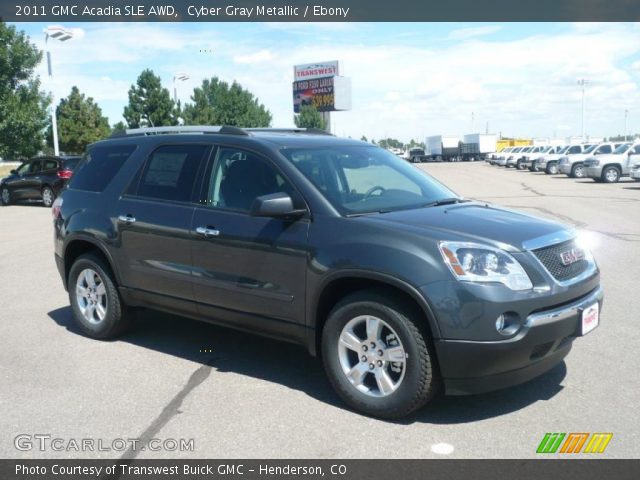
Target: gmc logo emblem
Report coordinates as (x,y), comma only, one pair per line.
(571,256)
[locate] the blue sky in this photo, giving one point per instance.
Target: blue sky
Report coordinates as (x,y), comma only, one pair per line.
(409,80)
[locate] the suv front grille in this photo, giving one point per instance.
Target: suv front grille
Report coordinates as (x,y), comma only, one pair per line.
(550,258)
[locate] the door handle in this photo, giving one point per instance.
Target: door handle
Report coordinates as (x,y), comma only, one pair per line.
(207,232)
(126,219)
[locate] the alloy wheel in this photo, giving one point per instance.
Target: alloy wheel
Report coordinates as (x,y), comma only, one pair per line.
(6,196)
(47,196)
(372,356)
(91,296)
(611,175)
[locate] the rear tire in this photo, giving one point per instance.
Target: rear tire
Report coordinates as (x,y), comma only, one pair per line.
(377,385)
(96,303)
(48,197)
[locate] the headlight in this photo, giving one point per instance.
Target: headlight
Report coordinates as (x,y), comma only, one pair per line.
(473,262)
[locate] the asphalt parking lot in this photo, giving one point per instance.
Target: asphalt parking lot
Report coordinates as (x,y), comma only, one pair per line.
(246,396)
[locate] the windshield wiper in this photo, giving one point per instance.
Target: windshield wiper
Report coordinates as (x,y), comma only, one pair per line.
(444,201)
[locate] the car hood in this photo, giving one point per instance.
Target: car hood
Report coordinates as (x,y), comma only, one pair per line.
(473,221)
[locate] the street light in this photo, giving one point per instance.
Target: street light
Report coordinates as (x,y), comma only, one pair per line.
(61,34)
(178,76)
(582,82)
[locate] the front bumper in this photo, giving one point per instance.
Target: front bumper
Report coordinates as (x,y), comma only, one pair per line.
(635,174)
(565,168)
(470,367)
(593,172)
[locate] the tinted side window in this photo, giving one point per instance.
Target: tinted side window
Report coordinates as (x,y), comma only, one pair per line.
(100,165)
(636,149)
(35,166)
(604,149)
(50,165)
(171,172)
(239,177)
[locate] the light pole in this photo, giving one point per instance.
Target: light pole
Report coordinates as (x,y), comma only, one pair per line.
(626,114)
(61,34)
(582,82)
(178,76)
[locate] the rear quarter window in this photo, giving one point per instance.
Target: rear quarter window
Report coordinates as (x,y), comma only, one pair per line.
(100,165)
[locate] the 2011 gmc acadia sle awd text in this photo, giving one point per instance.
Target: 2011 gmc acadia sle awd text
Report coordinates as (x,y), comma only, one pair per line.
(400,285)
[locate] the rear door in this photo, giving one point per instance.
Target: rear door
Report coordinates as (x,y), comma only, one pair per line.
(49,174)
(153,220)
(247,269)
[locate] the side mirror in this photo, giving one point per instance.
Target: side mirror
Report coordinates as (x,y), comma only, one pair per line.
(14,172)
(276,205)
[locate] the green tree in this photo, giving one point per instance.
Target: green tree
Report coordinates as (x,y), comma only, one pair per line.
(23,106)
(119,127)
(309,117)
(217,103)
(150,105)
(80,122)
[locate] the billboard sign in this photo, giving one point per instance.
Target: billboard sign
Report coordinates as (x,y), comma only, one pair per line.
(326,94)
(310,71)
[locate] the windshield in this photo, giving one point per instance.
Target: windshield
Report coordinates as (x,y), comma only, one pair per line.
(564,149)
(362,179)
(622,149)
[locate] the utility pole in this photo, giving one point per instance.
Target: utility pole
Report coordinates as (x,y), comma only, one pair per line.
(473,118)
(582,82)
(626,115)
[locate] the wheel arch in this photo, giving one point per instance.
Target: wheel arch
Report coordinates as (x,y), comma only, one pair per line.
(81,244)
(341,284)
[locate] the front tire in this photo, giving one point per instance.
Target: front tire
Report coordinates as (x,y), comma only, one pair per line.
(610,174)
(48,196)
(552,169)
(577,171)
(97,307)
(378,356)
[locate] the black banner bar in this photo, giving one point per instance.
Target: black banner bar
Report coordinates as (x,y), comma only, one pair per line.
(319,10)
(316,469)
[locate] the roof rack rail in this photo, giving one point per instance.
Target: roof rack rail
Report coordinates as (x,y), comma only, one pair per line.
(314,131)
(183,129)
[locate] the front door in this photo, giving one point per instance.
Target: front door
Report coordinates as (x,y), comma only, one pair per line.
(28,185)
(247,269)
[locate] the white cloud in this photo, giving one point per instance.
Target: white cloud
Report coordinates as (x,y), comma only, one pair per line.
(520,84)
(257,57)
(464,33)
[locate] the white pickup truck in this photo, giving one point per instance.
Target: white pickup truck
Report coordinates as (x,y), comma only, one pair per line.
(573,165)
(529,159)
(549,163)
(609,168)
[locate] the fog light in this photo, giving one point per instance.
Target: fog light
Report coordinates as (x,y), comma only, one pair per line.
(508,323)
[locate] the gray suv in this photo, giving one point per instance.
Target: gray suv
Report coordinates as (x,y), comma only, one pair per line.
(401,286)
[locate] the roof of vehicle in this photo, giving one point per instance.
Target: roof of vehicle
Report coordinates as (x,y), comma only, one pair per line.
(281,137)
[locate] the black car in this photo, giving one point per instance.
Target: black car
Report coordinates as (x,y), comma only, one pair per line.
(400,285)
(40,178)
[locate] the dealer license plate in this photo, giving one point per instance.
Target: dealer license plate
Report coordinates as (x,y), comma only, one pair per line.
(590,318)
